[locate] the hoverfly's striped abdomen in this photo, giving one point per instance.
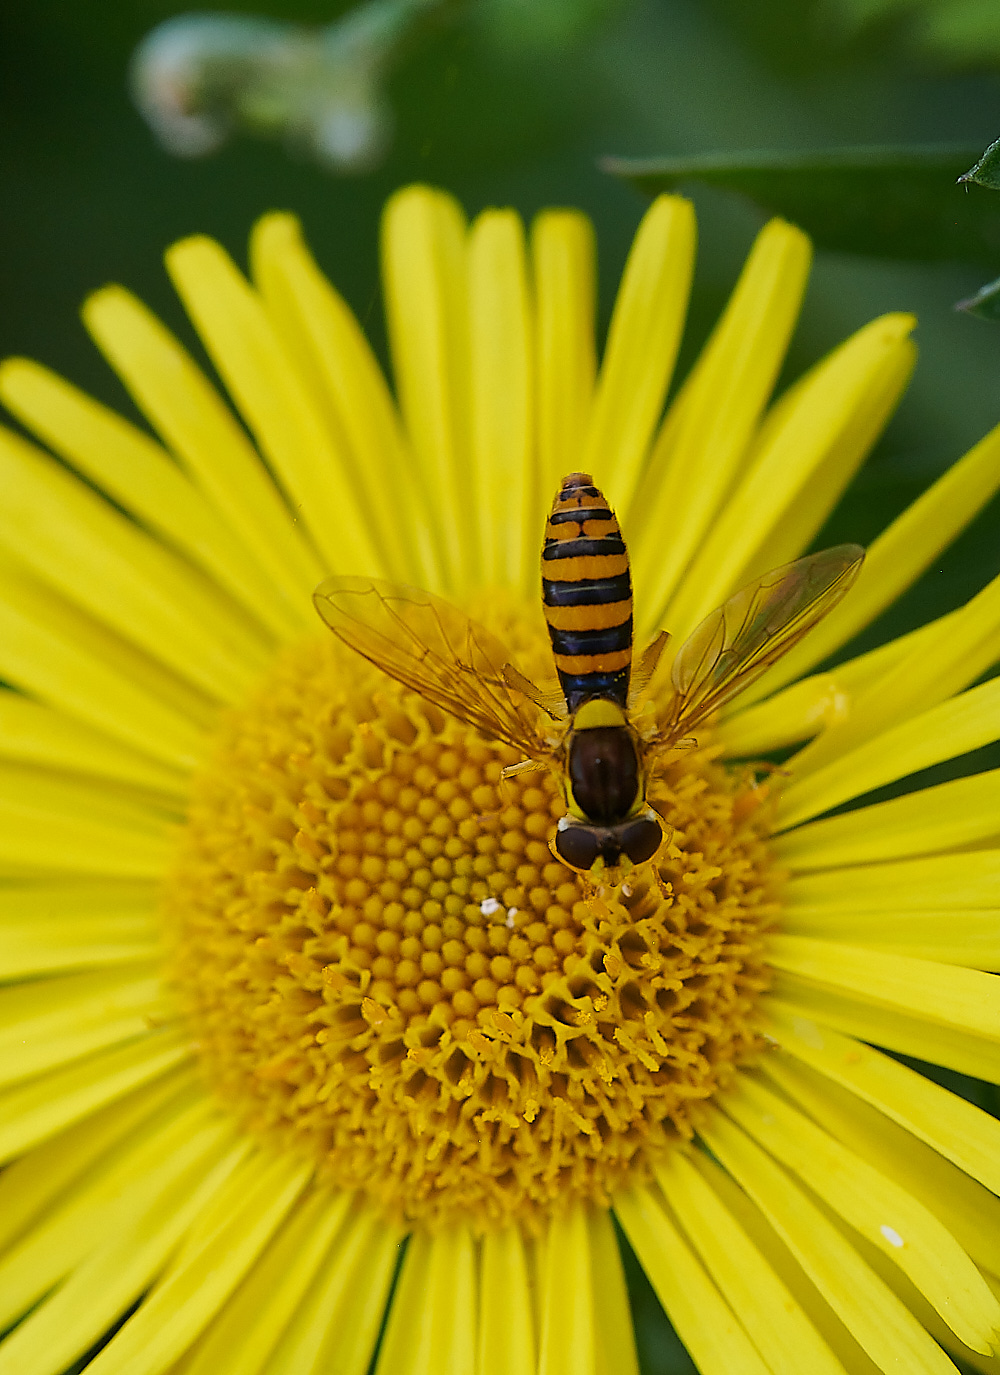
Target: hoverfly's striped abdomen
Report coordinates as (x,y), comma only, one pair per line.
(587,594)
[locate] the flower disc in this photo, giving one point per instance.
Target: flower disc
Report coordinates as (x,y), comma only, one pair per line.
(384,965)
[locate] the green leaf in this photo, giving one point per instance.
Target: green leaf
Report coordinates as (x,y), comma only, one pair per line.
(894,202)
(985,303)
(987,170)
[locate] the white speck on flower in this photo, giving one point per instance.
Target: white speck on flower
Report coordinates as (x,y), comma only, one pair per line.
(891,1235)
(626,890)
(511,914)
(488,906)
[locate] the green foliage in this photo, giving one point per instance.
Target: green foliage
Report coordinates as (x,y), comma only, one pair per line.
(542,25)
(956,32)
(986,302)
(893,202)
(986,172)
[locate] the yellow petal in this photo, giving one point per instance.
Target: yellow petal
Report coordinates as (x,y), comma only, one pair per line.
(865,378)
(431,1328)
(34,842)
(857,675)
(888,1216)
(34,1111)
(563,259)
(704,1321)
(69,661)
(181,1131)
(778,1327)
(243,1334)
(797,713)
(899,555)
(927,1316)
(253,1203)
(57,825)
(507,1343)
(963,999)
(809,449)
(696,457)
(425,277)
(970,1211)
(509,507)
(945,662)
(51,1022)
(338,1324)
(853,676)
(334,358)
(567,1338)
(871,1312)
(957,881)
(261,377)
(143,478)
(614,1330)
(962,812)
(890,1027)
(68,797)
(760,1231)
(124,1262)
(643,339)
(952,936)
(950,1124)
(942,732)
(33,733)
(76,542)
(193,420)
(64,1167)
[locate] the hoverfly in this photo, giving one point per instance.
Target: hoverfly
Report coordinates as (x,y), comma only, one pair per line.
(587,731)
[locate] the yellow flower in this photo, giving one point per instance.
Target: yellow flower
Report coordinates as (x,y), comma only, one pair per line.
(292,976)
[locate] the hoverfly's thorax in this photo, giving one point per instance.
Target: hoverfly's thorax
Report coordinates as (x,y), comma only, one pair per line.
(587,594)
(603,773)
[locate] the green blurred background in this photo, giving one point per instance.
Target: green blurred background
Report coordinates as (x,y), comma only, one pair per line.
(512,103)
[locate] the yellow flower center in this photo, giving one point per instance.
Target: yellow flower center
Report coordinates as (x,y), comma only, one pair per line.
(385,968)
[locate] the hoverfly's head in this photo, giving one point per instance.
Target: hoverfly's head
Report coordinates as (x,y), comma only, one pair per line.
(581,846)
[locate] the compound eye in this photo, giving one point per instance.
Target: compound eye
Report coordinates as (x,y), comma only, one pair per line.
(579,846)
(640,839)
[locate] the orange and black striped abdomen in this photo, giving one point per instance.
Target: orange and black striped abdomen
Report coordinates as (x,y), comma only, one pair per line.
(587,594)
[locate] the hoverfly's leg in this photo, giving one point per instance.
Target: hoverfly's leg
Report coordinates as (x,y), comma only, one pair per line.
(660,759)
(665,826)
(757,790)
(666,891)
(763,768)
(553,703)
(490,820)
(523,766)
(689,742)
(513,771)
(594,894)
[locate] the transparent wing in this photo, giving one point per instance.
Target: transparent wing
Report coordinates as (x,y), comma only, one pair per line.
(428,645)
(642,672)
(735,644)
